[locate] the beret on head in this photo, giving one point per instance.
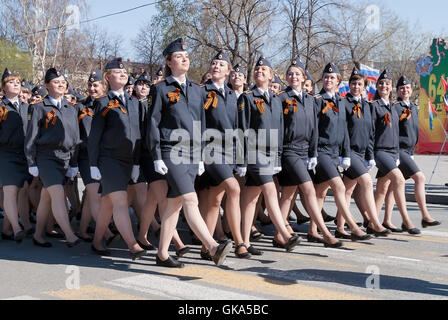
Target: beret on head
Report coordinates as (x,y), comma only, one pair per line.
(116,63)
(175,46)
(96,75)
(53,73)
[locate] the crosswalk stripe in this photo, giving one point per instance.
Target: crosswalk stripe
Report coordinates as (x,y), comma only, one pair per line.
(90,292)
(177,289)
(273,287)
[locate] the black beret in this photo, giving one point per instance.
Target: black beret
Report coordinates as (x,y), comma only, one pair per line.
(116,63)
(331,68)
(96,75)
(26,84)
(144,77)
(355,72)
(384,75)
(159,73)
(221,55)
(8,73)
(239,69)
(403,81)
(131,81)
(175,46)
(262,61)
(53,73)
(39,90)
(297,63)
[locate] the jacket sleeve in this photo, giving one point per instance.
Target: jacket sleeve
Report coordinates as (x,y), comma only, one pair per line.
(280,141)
(374,117)
(153,133)
(96,131)
(312,151)
(243,124)
(32,133)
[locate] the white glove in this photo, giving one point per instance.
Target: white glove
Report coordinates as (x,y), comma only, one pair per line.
(312,163)
(241,171)
(412,157)
(370,164)
(201,168)
(160,167)
(398,162)
(135,173)
(346,163)
(95,173)
(277,170)
(72,172)
(34,171)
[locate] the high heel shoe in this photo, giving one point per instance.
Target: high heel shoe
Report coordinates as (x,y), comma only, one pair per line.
(205,255)
(292,242)
(183,251)
(19,236)
(377,234)
(42,244)
(136,255)
(100,252)
(394,230)
(221,253)
(254,251)
(276,244)
(410,231)
(355,237)
(312,239)
(169,263)
(340,235)
(73,244)
(333,245)
(148,248)
(245,255)
(430,224)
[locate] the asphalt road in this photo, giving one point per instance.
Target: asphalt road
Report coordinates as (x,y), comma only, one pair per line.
(399,267)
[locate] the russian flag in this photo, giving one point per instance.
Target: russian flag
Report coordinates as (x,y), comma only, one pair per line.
(371,92)
(344,88)
(432,114)
(370,73)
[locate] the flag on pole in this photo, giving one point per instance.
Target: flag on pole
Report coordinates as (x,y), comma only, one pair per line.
(370,73)
(344,88)
(445,99)
(432,114)
(371,91)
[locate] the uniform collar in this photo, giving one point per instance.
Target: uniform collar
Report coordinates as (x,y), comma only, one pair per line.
(326,95)
(353,99)
(404,103)
(7,101)
(386,103)
(54,101)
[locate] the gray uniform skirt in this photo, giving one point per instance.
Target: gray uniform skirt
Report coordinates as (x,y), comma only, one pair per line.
(219,173)
(357,167)
(386,161)
(52,171)
(14,168)
(294,168)
(327,168)
(180,177)
(115,174)
(147,169)
(407,166)
(261,172)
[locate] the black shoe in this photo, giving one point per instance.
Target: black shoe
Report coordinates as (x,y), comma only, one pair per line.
(366,223)
(355,237)
(100,252)
(410,231)
(136,255)
(314,239)
(329,218)
(394,230)
(221,253)
(19,236)
(430,224)
(183,251)
(148,248)
(85,239)
(302,220)
(291,218)
(254,251)
(292,242)
(30,232)
(40,244)
(255,235)
(73,244)
(333,245)
(109,241)
(384,233)
(9,237)
(169,263)
(340,235)
(276,244)
(54,235)
(205,255)
(222,241)
(245,255)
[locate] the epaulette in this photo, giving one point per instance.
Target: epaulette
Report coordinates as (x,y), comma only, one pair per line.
(396,102)
(38,101)
(249,92)
(281,92)
(317,96)
(373,101)
(202,86)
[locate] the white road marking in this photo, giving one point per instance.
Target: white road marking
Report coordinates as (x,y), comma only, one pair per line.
(406,259)
(435,233)
(22,298)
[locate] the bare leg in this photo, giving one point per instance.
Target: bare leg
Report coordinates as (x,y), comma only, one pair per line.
(42,213)
(10,206)
(419,190)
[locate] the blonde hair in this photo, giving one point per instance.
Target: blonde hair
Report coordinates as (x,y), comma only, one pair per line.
(9,78)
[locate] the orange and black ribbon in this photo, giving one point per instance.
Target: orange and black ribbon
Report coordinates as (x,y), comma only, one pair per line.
(3,113)
(84,113)
(357,110)
(330,105)
(387,120)
(50,117)
(407,114)
(290,103)
(260,105)
(174,96)
(212,100)
(112,105)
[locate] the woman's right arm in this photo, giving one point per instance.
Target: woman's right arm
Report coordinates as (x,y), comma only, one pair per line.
(32,132)
(153,132)
(96,132)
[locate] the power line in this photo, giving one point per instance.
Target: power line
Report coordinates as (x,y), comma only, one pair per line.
(98,18)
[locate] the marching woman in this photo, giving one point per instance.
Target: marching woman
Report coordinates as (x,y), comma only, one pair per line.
(50,147)
(300,149)
(409,132)
(262,116)
(14,177)
(91,207)
(386,121)
(360,130)
(221,114)
(177,108)
(113,148)
(333,150)
(237,80)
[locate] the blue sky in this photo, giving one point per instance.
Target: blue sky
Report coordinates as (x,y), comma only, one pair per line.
(430,15)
